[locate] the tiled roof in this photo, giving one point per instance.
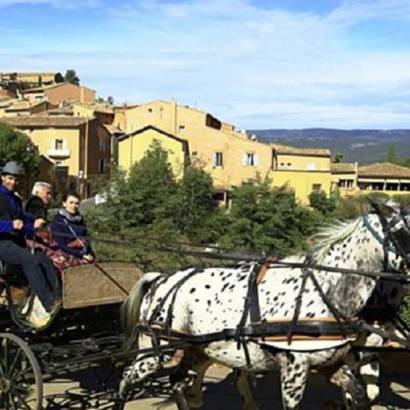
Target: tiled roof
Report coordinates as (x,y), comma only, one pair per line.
(342,168)
(384,170)
(44,121)
(285,149)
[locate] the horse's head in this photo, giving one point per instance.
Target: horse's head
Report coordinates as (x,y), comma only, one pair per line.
(395,221)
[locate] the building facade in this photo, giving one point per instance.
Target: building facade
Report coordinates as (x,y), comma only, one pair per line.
(229,156)
(59,93)
(78,147)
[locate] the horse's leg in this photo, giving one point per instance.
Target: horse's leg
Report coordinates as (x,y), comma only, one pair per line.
(371,374)
(370,371)
(198,362)
(142,367)
(294,372)
(245,391)
(353,391)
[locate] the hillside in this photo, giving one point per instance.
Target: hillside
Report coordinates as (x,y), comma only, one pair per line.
(365,146)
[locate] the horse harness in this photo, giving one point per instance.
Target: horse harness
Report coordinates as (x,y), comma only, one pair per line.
(339,327)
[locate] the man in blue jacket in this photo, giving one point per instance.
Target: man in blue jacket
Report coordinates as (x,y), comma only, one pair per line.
(13,250)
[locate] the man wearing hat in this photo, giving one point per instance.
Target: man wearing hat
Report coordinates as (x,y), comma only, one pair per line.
(13,248)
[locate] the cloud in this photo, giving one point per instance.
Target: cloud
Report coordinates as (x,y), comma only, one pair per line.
(256,67)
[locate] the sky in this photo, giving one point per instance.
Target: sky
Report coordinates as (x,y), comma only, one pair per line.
(257,64)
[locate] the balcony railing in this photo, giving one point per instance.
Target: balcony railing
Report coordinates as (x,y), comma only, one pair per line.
(58,153)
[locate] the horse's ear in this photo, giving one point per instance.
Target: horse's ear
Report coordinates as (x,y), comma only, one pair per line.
(381,207)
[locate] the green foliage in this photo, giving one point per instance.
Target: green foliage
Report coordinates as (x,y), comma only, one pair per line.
(16,146)
(194,210)
(268,220)
(404,312)
(156,212)
(150,188)
(70,76)
(318,200)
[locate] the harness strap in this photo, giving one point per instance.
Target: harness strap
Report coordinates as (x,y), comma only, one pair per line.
(299,298)
(174,288)
(305,329)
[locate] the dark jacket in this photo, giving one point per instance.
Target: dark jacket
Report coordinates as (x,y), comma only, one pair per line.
(70,230)
(11,208)
(34,209)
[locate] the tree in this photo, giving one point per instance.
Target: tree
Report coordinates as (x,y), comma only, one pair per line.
(268,220)
(71,77)
(194,211)
(58,78)
(338,157)
(16,146)
(110,100)
(149,188)
(319,201)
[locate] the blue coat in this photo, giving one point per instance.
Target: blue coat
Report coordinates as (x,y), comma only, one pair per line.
(11,208)
(71,231)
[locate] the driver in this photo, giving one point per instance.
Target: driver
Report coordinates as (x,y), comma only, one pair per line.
(13,250)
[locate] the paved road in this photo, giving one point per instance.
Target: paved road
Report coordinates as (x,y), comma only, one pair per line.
(221,395)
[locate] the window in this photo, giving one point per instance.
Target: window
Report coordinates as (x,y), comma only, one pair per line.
(58,144)
(101,165)
(218,159)
(181,128)
(149,109)
(250,159)
(316,187)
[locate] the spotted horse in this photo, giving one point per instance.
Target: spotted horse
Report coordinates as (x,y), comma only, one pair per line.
(306,305)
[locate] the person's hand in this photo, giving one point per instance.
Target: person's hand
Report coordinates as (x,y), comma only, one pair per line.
(88,257)
(39,223)
(18,224)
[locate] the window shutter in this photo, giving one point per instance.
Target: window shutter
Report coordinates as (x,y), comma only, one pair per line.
(214,159)
(256,160)
(244,159)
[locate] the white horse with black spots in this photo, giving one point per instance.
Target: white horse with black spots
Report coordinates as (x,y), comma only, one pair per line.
(213,300)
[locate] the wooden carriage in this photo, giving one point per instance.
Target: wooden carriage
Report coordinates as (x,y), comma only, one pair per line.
(90,313)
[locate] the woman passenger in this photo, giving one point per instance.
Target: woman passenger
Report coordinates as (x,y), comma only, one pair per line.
(70,234)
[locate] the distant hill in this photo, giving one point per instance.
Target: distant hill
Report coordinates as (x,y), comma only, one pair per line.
(365,146)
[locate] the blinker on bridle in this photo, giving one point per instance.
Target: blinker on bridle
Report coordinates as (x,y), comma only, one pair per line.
(396,232)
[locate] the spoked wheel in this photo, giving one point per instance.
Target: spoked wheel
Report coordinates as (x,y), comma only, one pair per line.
(21,382)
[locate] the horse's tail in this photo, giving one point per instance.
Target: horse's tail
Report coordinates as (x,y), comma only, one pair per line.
(130,309)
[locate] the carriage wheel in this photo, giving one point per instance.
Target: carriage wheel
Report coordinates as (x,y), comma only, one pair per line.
(21,382)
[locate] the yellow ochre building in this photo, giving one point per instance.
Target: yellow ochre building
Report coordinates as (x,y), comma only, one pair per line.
(229,156)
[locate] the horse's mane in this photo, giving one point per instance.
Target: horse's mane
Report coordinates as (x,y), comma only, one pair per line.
(329,235)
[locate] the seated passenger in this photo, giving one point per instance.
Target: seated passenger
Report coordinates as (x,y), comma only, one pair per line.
(36,209)
(69,231)
(36,267)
